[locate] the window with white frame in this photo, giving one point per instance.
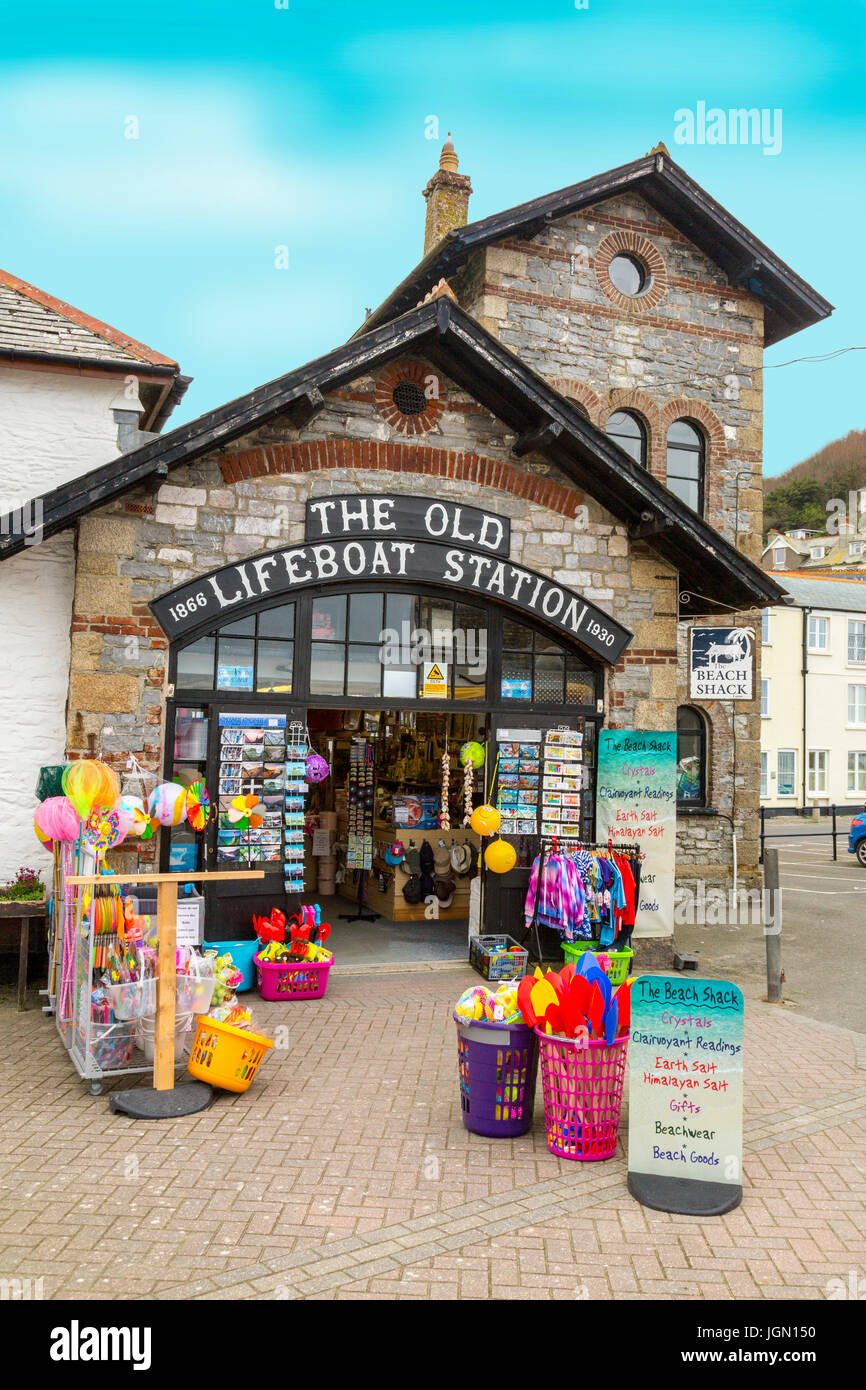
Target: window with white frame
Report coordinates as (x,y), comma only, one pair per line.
(857,773)
(765,698)
(819,634)
(855,548)
(779,557)
(856,641)
(857,704)
(766,632)
(817,552)
(818,759)
(763,774)
(786,772)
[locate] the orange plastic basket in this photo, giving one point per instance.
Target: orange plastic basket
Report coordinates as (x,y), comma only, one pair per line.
(226,1056)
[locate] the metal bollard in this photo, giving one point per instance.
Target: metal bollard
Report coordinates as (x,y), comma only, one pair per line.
(773,925)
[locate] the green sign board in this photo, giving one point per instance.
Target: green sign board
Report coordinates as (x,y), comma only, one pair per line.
(685,1134)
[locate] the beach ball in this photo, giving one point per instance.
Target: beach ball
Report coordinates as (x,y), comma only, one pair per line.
(500,857)
(317,768)
(133,816)
(485,820)
(168,803)
(45,840)
(473,753)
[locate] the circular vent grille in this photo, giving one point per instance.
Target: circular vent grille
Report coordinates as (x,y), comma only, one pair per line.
(409,398)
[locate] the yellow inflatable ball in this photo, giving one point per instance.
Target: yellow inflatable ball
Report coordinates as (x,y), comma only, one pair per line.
(500,857)
(485,820)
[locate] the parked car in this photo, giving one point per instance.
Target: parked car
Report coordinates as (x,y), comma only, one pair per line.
(857,839)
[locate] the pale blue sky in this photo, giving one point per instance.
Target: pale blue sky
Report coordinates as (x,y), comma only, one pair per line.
(261,126)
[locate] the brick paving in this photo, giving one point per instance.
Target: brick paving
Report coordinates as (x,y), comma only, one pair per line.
(346,1173)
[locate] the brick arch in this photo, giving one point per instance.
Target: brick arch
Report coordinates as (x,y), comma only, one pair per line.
(647,411)
(683,408)
(583,395)
(315,456)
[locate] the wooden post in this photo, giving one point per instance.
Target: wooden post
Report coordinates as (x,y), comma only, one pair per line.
(166,989)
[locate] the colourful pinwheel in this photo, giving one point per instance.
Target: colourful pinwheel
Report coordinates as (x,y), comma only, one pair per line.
(241,813)
(198,805)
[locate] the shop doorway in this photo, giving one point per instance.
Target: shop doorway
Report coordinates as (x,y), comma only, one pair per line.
(402,678)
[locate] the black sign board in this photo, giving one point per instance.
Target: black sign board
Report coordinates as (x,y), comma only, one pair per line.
(408,518)
(227,593)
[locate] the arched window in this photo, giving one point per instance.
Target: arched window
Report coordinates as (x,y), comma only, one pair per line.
(686,461)
(691,757)
(628,432)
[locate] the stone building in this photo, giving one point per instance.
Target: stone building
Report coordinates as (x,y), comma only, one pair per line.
(586,365)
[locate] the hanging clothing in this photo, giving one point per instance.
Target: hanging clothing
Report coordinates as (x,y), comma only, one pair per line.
(556,897)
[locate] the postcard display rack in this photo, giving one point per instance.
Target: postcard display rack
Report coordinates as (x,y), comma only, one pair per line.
(361,805)
(539,782)
(264,756)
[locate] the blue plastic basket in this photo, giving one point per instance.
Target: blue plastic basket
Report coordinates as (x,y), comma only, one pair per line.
(242,953)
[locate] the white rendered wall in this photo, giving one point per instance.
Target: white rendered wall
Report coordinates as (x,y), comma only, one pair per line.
(53,427)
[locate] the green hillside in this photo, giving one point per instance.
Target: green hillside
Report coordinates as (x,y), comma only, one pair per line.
(799,496)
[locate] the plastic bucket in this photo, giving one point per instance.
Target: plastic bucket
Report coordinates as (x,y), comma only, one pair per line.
(134,1000)
(497,1064)
(193,996)
(145,1035)
(582,1095)
(242,953)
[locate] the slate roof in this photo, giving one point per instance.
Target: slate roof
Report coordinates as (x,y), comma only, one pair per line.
(717,575)
(848,596)
(789,302)
(33,321)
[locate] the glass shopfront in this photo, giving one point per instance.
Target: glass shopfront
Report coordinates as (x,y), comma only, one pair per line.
(412,673)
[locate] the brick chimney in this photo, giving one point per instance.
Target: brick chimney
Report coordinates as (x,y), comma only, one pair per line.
(447,196)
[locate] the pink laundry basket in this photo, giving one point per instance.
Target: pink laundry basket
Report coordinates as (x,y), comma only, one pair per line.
(582,1095)
(284,981)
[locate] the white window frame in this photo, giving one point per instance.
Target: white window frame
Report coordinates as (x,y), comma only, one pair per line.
(817,552)
(765,703)
(826,631)
(856,660)
(767,627)
(779,556)
(855,547)
(812,770)
(785,752)
(853,721)
(765,773)
(857,773)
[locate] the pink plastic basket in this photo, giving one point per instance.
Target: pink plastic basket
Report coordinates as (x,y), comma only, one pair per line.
(582,1095)
(281,982)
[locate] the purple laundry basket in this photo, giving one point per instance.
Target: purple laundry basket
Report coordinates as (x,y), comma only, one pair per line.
(498,1064)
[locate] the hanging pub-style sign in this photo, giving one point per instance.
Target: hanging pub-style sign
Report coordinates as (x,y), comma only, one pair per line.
(721,663)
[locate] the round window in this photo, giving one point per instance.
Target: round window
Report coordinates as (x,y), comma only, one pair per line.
(409,398)
(628,275)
